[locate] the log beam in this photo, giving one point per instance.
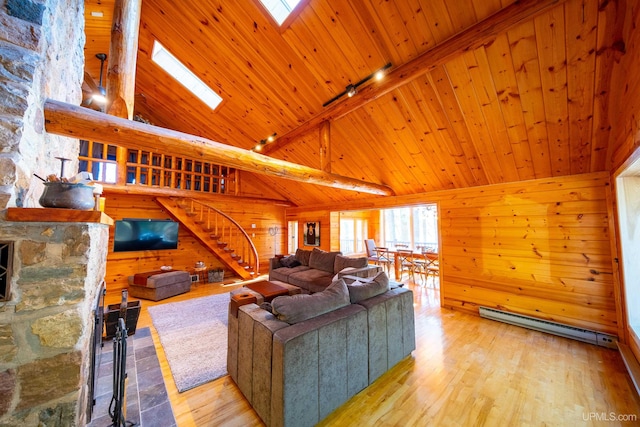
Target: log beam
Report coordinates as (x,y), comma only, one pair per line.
(122,58)
(471,38)
(70,120)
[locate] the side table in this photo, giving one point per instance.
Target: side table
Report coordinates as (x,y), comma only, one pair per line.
(202,273)
(240,299)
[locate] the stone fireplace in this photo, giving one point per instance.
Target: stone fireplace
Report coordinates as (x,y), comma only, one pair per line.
(45,332)
(58,262)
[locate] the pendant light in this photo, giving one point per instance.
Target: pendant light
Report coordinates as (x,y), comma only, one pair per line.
(101,95)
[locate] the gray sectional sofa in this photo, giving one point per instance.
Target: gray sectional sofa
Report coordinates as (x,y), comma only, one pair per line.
(311,270)
(311,353)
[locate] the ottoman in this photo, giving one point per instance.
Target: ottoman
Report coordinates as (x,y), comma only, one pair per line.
(158,285)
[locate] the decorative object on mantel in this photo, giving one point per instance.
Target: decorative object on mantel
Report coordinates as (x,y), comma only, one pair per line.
(58,194)
(77,192)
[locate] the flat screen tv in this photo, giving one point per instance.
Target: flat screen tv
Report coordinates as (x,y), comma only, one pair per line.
(136,234)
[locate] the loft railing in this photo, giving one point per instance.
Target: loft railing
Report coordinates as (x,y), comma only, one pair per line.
(228,233)
(112,164)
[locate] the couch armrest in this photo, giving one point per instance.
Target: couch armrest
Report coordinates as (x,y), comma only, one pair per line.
(392,332)
(318,364)
(358,273)
(274,263)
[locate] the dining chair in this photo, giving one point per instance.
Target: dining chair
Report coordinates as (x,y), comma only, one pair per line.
(370,245)
(431,267)
(421,264)
(405,263)
(385,258)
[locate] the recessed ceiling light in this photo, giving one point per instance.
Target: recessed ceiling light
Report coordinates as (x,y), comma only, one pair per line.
(97,14)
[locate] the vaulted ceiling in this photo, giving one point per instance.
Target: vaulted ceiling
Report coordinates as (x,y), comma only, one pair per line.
(529,103)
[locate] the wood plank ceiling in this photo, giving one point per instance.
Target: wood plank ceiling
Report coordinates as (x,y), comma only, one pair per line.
(531,103)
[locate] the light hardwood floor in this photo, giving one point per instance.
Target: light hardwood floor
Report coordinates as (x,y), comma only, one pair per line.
(466,371)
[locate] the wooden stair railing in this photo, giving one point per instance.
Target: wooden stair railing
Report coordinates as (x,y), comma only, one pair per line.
(220,233)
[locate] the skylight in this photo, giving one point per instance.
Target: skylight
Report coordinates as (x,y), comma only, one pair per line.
(182,74)
(279,9)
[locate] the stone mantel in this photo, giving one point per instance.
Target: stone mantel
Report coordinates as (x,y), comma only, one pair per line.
(57,215)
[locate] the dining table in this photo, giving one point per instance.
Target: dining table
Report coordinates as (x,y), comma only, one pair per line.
(426,258)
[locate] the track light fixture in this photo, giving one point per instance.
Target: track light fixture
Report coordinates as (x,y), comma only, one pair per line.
(352,89)
(265,141)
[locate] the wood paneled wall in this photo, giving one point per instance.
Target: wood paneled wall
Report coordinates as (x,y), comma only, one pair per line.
(537,247)
(120,265)
(326,238)
(625,91)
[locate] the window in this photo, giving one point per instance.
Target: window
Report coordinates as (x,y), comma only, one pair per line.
(280,9)
(353,232)
(186,77)
(292,245)
(414,227)
(99,159)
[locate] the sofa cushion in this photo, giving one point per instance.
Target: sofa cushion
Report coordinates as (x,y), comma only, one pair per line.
(290,261)
(303,256)
(282,274)
(311,279)
(366,288)
(342,262)
(322,260)
(296,308)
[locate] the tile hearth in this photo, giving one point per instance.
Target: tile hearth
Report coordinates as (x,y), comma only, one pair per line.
(146,395)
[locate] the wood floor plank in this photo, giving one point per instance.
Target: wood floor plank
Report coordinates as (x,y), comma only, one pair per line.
(466,371)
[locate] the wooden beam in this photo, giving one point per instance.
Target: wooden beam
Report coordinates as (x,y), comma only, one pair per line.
(472,38)
(70,120)
(121,76)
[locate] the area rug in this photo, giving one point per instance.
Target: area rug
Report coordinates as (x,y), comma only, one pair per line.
(193,335)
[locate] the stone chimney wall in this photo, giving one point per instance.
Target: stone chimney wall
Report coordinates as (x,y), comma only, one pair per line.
(46,324)
(41,56)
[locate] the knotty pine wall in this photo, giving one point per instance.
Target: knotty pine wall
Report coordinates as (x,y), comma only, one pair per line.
(123,264)
(537,247)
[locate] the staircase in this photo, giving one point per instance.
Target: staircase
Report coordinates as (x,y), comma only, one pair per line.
(217,231)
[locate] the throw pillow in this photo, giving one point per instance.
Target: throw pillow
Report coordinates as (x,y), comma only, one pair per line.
(296,308)
(343,262)
(368,288)
(303,256)
(321,260)
(290,261)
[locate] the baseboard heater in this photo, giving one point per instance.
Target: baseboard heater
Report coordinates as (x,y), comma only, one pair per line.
(585,335)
